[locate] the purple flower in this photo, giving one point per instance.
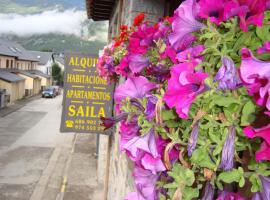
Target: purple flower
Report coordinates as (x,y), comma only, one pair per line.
(137,63)
(228,150)
(184,24)
(190,54)
(208,192)
(145,183)
(133,87)
(268,5)
(255,75)
(264,49)
(151,107)
(183,87)
(265,192)
(192,142)
(109,122)
(230,196)
(227,75)
(146,143)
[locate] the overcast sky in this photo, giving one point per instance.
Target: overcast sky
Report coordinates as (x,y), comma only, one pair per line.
(68,21)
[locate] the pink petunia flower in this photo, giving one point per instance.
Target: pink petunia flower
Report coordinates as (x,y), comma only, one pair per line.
(184,25)
(183,87)
(255,75)
(190,54)
(264,152)
(264,49)
(230,196)
(213,10)
(133,87)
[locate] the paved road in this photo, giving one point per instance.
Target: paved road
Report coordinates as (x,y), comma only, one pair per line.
(35,157)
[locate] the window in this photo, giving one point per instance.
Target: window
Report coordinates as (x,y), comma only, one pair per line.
(11,64)
(7,63)
(18,65)
(0,63)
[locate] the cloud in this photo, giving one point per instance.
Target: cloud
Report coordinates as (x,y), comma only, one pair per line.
(54,21)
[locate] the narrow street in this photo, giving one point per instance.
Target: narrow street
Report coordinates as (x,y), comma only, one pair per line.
(37,162)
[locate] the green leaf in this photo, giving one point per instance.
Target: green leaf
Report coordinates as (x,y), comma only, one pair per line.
(263,33)
(172,124)
(181,175)
(190,193)
(201,158)
(224,101)
(247,113)
(235,175)
(255,182)
(168,115)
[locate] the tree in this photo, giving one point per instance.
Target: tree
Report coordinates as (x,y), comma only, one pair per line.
(57,74)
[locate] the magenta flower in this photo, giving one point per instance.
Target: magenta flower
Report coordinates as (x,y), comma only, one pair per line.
(230,196)
(264,49)
(170,53)
(146,143)
(133,87)
(192,142)
(183,87)
(184,24)
(128,130)
(255,75)
(228,150)
(263,133)
(212,9)
(137,63)
(254,15)
(122,69)
(227,75)
(190,54)
(264,152)
(155,165)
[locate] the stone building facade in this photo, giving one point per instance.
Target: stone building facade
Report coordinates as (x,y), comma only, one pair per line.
(114,169)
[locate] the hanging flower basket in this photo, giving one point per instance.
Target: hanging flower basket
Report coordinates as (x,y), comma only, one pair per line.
(194,109)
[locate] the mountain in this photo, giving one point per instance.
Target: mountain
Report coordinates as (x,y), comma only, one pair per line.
(37,6)
(57,43)
(92,37)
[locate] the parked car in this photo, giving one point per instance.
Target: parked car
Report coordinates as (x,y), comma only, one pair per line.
(49,92)
(57,89)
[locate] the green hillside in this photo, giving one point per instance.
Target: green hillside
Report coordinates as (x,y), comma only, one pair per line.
(58,43)
(36,6)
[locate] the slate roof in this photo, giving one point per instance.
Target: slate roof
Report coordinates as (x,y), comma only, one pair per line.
(23,72)
(10,48)
(9,77)
(42,57)
(39,73)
